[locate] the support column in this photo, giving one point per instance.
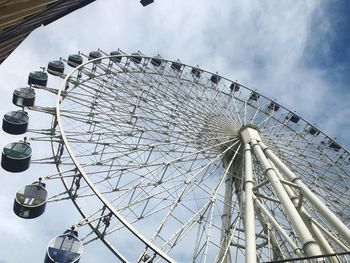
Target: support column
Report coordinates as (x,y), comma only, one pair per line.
(342,229)
(315,231)
(250,135)
(278,227)
(249,215)
(227,214)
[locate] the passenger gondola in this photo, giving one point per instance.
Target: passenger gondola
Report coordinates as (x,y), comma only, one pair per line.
(30,201)
(65,248)
(16,157)
(15,122)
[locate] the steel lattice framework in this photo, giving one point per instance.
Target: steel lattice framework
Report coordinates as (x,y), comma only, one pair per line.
(168,162)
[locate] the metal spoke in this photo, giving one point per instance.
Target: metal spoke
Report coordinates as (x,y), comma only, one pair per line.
(185,165)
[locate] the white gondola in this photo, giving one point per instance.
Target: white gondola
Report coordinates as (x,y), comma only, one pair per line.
(75,60)
(136,58)
(15,122)
(30,201)
(55,67)
(94,55)
(116,59)
(156,61)
(65,248)
(16,157)
(38,78)
(24,97)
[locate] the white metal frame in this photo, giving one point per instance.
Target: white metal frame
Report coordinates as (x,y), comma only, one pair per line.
(256,189)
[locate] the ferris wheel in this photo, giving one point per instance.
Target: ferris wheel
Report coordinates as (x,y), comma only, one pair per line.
(166,162)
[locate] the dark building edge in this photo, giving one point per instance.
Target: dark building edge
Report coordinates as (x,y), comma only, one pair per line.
(13,36)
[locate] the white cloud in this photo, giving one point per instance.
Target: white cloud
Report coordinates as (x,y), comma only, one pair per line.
(259,43)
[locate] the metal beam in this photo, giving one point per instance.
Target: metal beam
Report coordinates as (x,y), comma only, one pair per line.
(342,229)
(249,215)
(251,135)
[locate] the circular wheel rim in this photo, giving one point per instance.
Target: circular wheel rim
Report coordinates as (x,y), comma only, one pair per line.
(236,106)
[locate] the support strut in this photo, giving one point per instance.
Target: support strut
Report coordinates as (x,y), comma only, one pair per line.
(311,248)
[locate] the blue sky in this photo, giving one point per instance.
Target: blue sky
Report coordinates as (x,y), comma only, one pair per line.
(327,47)
(328,43)
(327,50)
(294,51)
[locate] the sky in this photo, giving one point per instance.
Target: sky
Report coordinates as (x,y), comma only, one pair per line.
(297,52)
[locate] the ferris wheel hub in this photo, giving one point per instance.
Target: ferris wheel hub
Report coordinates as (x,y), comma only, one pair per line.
(249,132)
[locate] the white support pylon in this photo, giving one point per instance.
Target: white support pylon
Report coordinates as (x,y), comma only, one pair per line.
(226,218)
(278,227)
(311,248)
(342,229)
(315,231)
(249,215)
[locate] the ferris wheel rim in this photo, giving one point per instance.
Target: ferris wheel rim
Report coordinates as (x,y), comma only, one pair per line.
(66,142)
